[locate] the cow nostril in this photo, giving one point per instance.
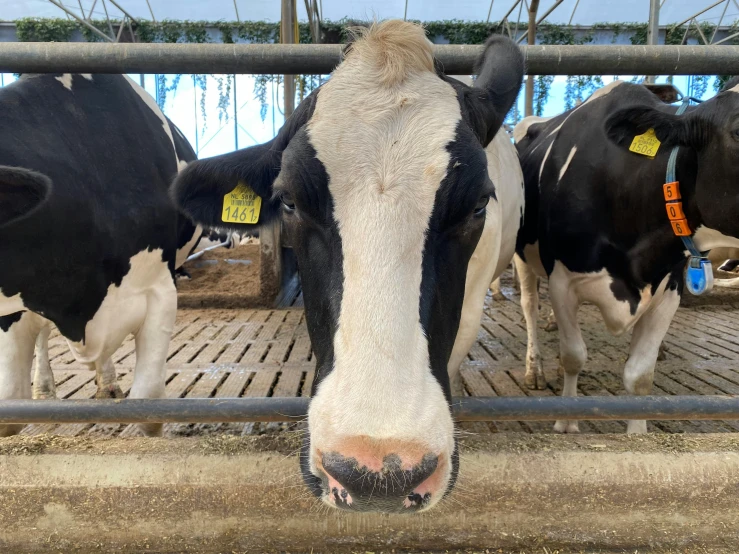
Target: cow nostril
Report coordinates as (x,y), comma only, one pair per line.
(416,500)
(350,480)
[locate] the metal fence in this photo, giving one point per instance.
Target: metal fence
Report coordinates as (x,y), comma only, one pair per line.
(183,410)
(321,59)
(36,57)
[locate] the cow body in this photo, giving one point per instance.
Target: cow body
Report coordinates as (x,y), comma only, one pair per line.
(385,190)
(494,250)
(111,236)
(596,223)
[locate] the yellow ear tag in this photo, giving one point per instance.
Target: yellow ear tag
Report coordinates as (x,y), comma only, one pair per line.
(646,144)
(241,205)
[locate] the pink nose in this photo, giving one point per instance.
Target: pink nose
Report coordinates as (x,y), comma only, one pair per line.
(371,481)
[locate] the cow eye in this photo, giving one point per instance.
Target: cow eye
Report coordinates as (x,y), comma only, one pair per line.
(481,205)
(287,202)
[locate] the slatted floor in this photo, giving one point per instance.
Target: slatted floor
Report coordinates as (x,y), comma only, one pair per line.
(257,353)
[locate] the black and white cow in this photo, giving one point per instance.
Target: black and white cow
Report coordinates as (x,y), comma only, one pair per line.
(391,203)
(20,193)
(596,222)
(97,257)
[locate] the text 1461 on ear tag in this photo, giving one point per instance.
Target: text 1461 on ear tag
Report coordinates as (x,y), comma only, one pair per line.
(241,205)
(645,144)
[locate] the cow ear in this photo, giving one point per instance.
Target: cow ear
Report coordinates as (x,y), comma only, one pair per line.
(200,190)
(671,130)
(22,191)
(500,74)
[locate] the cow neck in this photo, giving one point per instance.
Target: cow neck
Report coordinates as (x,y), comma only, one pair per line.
(699,276)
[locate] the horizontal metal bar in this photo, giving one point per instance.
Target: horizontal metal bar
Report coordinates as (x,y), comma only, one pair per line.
(199,253)
(183,410)
(596,408)
(50,57)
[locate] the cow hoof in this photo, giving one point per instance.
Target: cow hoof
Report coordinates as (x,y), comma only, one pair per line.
(565,426)
(534,376)
(456,385)
(10,430)
(498,296)
(551,326)
(44,395)
(661,356)
(535,380)
(112,391)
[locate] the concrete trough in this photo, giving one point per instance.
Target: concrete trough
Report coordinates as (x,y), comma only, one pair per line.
(244,494)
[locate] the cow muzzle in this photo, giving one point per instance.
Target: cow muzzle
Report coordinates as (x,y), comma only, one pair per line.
(362,474)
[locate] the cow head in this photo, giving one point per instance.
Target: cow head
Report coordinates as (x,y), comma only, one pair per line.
(708,162)
(381,181)
(21,192)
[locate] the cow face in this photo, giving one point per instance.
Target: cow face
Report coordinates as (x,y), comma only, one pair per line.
(21,192)
(381,180)
(708,161)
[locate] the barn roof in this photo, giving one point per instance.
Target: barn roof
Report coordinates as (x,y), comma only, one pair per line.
(587,12)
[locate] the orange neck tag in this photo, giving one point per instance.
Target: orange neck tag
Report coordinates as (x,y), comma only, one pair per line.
(674,207)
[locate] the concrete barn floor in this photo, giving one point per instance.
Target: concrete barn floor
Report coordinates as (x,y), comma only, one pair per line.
(266,352)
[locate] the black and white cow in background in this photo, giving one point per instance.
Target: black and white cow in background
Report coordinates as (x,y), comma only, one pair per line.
(391,204)
(20,194)
(97,257)
(596,222)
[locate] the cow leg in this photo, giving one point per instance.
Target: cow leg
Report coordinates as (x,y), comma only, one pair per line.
(551,322)
(106,380)
(572,350)
(152,344)
(729,265)
(480,273)
(644,349)
(495,289)
(17,341)
(469,328)
(43,379)
(534,377)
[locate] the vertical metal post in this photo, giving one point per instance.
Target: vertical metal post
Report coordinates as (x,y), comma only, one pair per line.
(653,29)
(287,36)
(236,117)
(529,106)
(274,257)
(195,105)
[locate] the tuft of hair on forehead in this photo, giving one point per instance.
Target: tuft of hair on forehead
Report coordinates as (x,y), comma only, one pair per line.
(391,49)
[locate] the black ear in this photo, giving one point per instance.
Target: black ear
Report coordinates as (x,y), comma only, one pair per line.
(500,74)
(672,130)
(22,191)
(200,188)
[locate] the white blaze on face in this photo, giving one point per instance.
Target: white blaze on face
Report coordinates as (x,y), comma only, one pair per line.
(384,149)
